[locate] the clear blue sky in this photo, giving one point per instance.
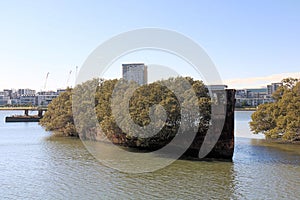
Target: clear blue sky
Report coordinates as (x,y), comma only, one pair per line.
(247,40)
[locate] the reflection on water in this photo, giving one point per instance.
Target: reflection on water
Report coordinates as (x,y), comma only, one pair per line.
(269,169)
(241,125)
(34,165)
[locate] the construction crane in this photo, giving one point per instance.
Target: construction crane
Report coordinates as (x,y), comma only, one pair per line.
(46,81)
(76,72)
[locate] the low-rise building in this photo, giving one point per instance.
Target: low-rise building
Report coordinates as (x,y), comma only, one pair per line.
(59,91)
(256,96)
(216,87)
(23,97)
(26,92)
(29,100)
(45,97)
(4,98)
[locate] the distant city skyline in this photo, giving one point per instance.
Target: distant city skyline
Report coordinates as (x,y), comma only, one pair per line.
(265,86)
(252,43)
(136,72)
(252,82)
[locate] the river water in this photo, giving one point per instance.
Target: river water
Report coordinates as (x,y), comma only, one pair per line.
(34,165)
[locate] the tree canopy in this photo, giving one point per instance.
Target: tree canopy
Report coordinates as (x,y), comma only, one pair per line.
(280,119)
(58,117)
(141,101)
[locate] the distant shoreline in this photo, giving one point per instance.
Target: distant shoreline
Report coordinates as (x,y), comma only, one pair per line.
(245,109)
(36,108)
(6,108)
(18,108)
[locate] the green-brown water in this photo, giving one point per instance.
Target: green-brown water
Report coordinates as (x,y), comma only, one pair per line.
(35,166)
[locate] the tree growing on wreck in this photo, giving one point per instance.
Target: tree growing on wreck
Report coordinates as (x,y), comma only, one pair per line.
(59,116)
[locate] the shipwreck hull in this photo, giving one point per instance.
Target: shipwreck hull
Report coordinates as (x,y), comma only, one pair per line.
(223,149)
(220,140)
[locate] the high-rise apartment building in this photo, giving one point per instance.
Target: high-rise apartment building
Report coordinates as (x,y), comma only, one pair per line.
(135,72)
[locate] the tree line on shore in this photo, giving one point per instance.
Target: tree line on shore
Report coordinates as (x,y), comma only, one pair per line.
(280,119)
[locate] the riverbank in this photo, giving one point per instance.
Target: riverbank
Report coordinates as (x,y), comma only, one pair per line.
(19,108)
(245,109)
(280,141)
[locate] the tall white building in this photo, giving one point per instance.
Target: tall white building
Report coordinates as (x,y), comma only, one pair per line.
(135,72)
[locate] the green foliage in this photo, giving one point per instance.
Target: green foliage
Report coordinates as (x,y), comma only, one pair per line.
(97,106)
(280,119)
(58,117)
(141,105)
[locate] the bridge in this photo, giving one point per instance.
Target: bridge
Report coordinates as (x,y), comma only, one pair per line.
(27,109)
